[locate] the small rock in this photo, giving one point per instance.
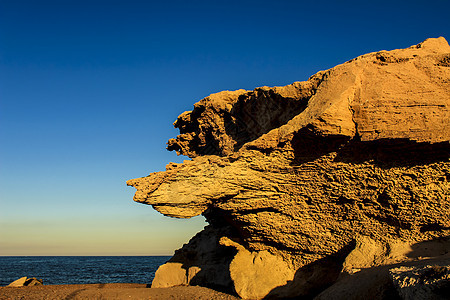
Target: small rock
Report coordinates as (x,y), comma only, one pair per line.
(19,282)
(427,282)
(24,281)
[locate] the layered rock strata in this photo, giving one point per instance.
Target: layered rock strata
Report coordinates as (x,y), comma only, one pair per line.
(305,183)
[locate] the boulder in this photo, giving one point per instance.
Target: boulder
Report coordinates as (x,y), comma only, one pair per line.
(19,282)
(24,281)
(33,281)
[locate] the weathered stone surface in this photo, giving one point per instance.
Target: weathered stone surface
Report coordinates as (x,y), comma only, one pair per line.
(342,172)
(425,282)
(416,279)
(256,274)
(33,281)
(200,262)
(24,281)
(19,282)
(168,275)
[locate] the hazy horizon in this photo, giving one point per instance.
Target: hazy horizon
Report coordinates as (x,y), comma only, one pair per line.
(89,91)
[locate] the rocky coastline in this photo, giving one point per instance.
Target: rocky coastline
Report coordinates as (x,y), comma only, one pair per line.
(333,188)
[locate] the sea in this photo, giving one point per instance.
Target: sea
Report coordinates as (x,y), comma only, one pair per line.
(81,269)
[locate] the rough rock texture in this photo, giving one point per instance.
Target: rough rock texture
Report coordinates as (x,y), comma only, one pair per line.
(24,281)
(403,279)
(19,282)
(431,281)
(304,183)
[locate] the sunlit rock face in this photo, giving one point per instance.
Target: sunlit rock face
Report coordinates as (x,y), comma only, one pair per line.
(305,183)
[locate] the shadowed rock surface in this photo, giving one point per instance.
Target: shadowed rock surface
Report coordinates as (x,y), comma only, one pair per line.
(306,183)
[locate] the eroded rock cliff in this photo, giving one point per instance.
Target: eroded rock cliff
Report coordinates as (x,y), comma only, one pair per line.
(306,183)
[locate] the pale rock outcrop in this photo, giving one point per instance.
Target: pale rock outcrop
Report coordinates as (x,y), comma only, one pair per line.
(319,180)
(19,282)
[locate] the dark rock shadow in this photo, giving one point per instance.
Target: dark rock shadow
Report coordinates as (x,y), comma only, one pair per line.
(388,153)
(205,277)
(313,278)
(213,259)
(309,145)
(74,294)
(258,112)
(252,115)
(432,248)
(384,153)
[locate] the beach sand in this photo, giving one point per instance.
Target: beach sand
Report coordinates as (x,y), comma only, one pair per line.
(110,291)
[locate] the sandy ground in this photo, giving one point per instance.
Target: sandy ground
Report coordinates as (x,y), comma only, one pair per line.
(110,291)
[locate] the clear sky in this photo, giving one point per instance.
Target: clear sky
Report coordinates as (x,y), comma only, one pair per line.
(89,91)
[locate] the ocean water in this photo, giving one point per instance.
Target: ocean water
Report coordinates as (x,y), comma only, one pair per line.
(81,269)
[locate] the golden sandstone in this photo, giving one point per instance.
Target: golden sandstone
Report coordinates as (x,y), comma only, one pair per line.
(310,187)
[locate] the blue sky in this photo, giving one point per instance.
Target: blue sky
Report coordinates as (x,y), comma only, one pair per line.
(89,91)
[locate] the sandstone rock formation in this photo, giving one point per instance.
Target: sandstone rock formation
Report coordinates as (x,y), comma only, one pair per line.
(307,184)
